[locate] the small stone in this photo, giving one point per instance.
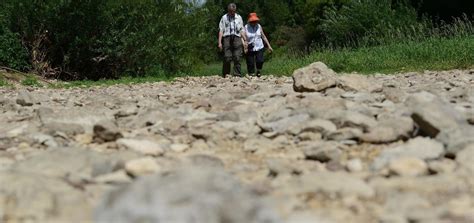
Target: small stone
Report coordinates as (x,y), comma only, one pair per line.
(142,166)
(25,99)
(145,147)
(408,166)
(354,165)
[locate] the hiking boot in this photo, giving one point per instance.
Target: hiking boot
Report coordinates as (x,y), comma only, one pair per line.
(258,73)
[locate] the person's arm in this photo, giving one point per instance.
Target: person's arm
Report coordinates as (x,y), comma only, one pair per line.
(221,33)
(219,44)
(266,40)
(242,30)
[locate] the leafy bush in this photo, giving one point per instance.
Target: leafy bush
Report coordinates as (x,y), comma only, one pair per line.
(12,53)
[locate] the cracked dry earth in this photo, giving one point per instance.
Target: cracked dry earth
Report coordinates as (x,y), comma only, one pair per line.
(315,147)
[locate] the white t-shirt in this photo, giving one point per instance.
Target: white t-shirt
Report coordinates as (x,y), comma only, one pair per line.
(254,36)
(231,25)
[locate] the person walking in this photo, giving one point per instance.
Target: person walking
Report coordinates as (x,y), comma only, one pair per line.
(231,40)
(256,39)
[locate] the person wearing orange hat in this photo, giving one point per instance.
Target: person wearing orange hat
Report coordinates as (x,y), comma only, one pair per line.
(256,41)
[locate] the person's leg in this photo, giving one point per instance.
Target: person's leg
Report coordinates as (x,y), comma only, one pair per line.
(227,56)
(237,54)
(259,61)
(251,62)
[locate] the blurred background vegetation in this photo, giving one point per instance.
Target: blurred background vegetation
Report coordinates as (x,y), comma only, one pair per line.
(107,39)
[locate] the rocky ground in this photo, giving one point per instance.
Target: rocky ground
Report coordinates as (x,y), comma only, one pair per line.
(318,147)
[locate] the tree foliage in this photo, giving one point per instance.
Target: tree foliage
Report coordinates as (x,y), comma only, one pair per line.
(87,39)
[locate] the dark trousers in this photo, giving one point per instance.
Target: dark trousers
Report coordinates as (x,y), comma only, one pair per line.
(232,53)
(254,59)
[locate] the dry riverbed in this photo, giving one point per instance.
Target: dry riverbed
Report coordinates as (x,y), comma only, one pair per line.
(318,147)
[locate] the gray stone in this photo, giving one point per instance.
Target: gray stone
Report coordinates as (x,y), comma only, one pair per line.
(168,197)
(315,77)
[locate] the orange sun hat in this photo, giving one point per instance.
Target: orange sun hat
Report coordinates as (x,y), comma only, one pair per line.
(253,17)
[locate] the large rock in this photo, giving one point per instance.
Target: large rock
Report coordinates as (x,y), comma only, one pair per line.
(315,77)
(37,198)
(214,197)
(432,115)
(421,148)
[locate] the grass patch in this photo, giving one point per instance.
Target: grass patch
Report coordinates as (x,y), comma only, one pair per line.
(109,82)
(4,83)
(31,81)
(431,54)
